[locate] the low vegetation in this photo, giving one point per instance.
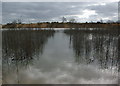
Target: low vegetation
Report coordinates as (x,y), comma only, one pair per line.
(60,25)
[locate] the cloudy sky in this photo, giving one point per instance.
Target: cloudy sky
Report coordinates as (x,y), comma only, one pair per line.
(0,12)
(54,11)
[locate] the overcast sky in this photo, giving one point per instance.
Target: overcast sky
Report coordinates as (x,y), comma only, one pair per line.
(54,11)
(0,12)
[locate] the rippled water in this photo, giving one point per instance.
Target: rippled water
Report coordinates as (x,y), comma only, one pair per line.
(60,56)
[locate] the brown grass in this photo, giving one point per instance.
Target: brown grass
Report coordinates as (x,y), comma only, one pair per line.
(61,25)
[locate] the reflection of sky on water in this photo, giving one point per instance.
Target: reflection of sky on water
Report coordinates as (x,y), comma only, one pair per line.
(0,56)
(57,64)
(90,37)
(65,73)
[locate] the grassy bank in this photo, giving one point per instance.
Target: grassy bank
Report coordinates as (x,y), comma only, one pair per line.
(62,25)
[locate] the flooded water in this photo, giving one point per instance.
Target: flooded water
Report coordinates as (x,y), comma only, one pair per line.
(60,56)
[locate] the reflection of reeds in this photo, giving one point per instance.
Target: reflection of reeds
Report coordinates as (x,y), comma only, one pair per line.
(95,45)
(20,47)
(23,44)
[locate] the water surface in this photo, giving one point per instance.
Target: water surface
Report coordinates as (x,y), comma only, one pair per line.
(60,56)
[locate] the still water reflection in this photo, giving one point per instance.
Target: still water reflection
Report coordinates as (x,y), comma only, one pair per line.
(69,56)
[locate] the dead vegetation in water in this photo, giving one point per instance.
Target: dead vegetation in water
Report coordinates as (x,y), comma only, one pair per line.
(24,44)
(95,45)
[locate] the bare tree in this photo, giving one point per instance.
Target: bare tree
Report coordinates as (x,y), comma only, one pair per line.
(101,21)
(19,21)
(110,21)
(14,22)
(64,19)
(72,20)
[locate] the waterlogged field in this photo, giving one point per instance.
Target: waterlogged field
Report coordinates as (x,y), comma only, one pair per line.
(67,56)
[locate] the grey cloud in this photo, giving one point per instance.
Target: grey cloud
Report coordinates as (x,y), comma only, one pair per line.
(108,10)
(48,11)
(0,12)
(38,10)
